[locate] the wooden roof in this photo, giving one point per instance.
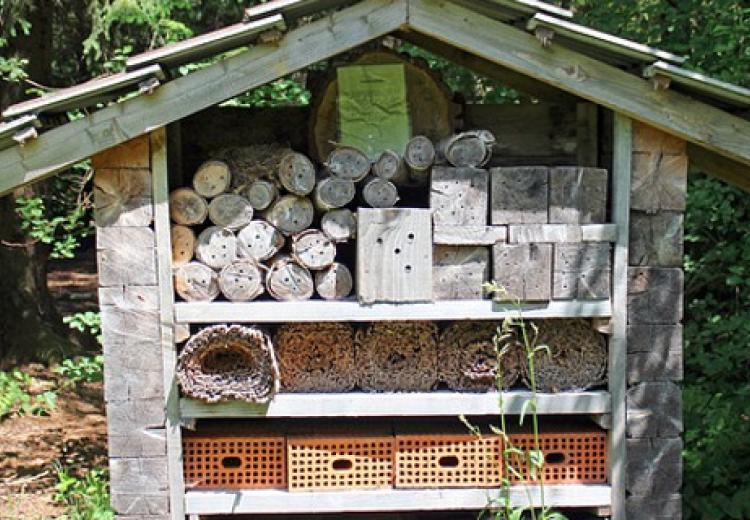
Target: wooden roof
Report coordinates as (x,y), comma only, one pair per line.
(607,70)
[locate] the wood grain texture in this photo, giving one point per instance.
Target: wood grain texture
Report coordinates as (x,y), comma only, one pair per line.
(654,410)
(655,295)
(578,195)
(122,197)
(655,506)
(131,154)
(469,235)
(458,196)
(394,251)
(655,467)
(654,353)
(129,264)
(582,271)
(656,239)
(659,182)
(458,273)
(525,270)
(519,195)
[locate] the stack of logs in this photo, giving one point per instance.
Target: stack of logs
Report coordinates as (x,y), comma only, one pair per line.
(416,357)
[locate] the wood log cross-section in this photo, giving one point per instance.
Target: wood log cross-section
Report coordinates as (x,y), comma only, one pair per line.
(472,149)
(230,211)
(241,281)
(217,247)
(339,224)
(332,192)
(122,197)
(379,193)
(291,214)
(334,282)
(260,193)
(313,249)
(419,157)
(391,167)
(183,244)
(196,282)
(296,173)
(347,162)
(187,208)
(212,178)
(289,281)
(259,241)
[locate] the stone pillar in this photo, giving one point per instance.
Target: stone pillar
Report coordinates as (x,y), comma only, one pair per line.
(655,311)
(128,297)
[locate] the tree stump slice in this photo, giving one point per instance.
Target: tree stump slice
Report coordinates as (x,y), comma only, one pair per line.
(259,241)
(212,178)
(183,244)
(419,158)
(241,281)
(217,247)
(313,249)
(187,208)
(349,163)
(431,112)
(230,211)
(391,167)
(379,193)
(260,194)
(334,282)
(296,173)
(196,282)
(467,149)
(291,214)
(316,357)
(289,281)
(339,224)
(332,192)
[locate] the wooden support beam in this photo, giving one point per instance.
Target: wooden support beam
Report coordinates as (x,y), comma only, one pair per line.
(717,165)
(64,146)
(573,72)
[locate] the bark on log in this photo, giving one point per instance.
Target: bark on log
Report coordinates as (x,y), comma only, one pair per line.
(334,282)
(183,245)
(217,247)
(316,357)
(347,162)
(291,214)
(472,149)
(391,167)
(260,194)
(187,208)
(259,241)
(287,280)
(339,224)
(379,193)
(212,178)
(469,361)
(296,173)
(313,249)
(241,281)
(230,211)
(196,282)
(419,158)
(397,356)
(229,362)
(332,192)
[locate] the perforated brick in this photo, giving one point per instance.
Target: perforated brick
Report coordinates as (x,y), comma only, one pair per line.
(334,463)
(448,461)
(234,462)
(570,458)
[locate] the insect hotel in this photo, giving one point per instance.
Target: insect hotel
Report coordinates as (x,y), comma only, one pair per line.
(293,302)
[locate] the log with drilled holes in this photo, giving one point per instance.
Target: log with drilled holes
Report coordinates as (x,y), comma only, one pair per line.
(379,193)
(229,362)
(419,158)
(339,224)
(332,192)
(259,241)
(230,211)
(391,167)
(313,249)
(260,193)
(241,281)
(334,282)
(212,178)
(217,247)
(296,173)
(316,357)
(469,361)
(472,149)
(196,282)
(287,280)
(290,214)
(397,356)
(347,162)
(187,208)
(183,244)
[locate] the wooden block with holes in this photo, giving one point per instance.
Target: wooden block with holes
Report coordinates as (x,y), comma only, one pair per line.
(582,271)
(394,255)
(525,270)
(458,196)
(336,462)
(520,195)
(448,461)
(458,272)
(578,195)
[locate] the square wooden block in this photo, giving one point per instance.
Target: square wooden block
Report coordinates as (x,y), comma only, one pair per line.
(394,255)
(578,195)
(525,270)
(520,195)
(458,196)
(582,271)
(459,271)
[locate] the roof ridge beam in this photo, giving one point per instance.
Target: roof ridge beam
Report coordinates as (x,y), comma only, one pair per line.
(583,76)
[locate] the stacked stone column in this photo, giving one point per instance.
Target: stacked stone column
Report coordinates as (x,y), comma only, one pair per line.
(655,313)
(133,366)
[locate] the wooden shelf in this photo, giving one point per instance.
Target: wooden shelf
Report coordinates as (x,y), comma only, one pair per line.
(351,310)
(400,405)
(280,501)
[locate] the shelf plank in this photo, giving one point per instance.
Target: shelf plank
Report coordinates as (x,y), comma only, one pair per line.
(400,404)
(281,501)
(351,310)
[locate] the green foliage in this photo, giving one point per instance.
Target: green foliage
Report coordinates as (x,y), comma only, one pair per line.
(283,92)
(16,397)
(87,322)
(62,232)
(82,369)
(84,498)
